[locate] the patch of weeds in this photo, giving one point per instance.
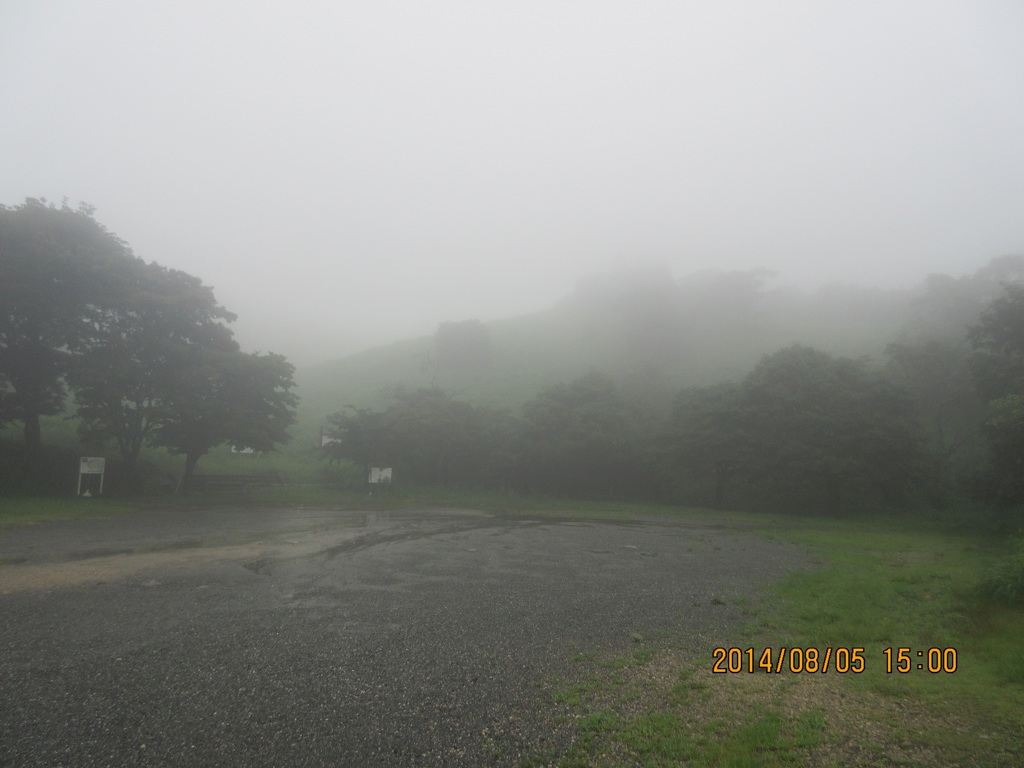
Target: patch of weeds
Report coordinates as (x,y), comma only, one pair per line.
(31,510)
(638,657)
(598,723)
(638,714)
(723,729)
(660,739)
(1014,668)
(642,656)
(744,606)
(761,736)
(574,695)
(809,728)
(687,685)
(533,761)
(1004,581)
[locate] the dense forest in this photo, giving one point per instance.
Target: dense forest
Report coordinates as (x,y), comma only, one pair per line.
(714,390)
(140,354)
(718,389)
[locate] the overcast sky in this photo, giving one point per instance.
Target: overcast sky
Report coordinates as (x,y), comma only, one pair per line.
(348,172)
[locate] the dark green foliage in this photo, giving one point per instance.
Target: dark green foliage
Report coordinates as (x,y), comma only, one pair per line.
(8,410)
(217,395)
(360,436)
(999,373)
(142,342)
(1005,581)
(55,469)
(59,268)
(803,429)
(144,348)
(582,439)
(709,443)
(937,374)
(825,426)
(999,339)
(433,437)
(425,435)
(1005,431)
(1000,329)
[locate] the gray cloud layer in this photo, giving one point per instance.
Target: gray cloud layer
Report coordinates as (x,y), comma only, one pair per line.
(355,171)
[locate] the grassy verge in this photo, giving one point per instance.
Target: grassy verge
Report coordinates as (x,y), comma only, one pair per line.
(875,585)
(18,511)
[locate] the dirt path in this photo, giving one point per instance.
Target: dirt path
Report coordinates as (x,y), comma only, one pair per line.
(72,554)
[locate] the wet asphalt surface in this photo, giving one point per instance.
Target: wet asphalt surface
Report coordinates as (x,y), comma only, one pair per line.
(313,637)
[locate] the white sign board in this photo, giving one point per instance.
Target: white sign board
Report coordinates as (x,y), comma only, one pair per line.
(92,465)
(380,474)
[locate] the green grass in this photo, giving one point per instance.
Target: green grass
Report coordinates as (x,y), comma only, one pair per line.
(1004,582)
(769,739)
(886,586)
(21,510)
(684,725)
(29,511)
(872,584)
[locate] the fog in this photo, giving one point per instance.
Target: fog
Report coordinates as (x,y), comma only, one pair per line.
(349,173)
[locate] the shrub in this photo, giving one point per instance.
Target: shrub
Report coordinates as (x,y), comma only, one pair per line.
(1005,581)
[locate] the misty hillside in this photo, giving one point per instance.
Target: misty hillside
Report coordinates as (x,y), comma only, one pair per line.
(652,333)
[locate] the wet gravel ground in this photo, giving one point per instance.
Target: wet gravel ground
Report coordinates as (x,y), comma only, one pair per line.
(431,638)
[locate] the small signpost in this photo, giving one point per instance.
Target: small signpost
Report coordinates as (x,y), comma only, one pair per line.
(91,465)
(326,440)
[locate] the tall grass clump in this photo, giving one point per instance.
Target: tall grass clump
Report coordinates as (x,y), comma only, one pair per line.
(1004,581)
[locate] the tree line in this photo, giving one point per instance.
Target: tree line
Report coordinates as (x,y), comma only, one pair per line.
(140,352)
(938,421)
(142,355)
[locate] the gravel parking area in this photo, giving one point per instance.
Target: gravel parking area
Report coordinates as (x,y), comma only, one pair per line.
(315,637)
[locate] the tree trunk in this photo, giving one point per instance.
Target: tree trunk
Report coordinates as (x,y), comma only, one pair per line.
(130,457)
(32,477)
(191,459)
(33,434)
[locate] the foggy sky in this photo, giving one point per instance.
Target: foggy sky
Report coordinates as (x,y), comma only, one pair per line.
(348,172)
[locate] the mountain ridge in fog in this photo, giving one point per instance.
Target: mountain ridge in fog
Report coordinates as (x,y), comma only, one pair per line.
(654,334)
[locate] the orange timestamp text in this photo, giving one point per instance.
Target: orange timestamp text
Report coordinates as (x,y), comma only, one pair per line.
(797,660)
(841,660)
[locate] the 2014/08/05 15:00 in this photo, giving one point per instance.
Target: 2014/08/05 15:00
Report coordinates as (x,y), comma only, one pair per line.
(841,660)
